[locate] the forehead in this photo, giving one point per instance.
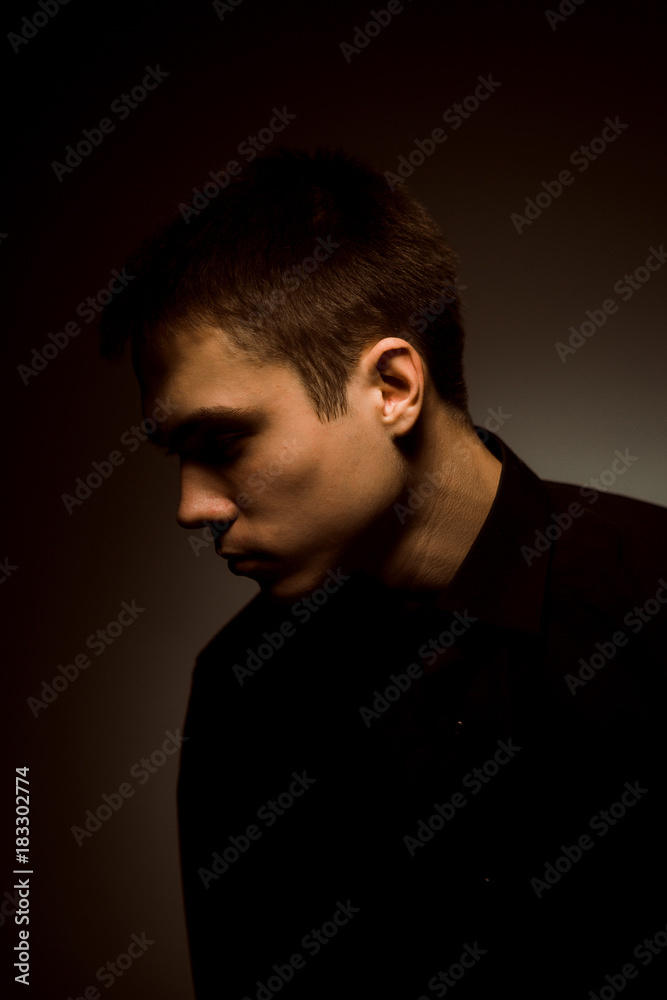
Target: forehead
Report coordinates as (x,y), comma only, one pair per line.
(202,368)
(187,353)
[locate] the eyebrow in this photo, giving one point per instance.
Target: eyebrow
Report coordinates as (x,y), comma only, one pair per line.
(207,418)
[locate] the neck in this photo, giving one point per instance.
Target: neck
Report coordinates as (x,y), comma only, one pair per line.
(448,492)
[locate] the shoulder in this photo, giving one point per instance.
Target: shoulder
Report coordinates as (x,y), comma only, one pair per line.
(626,513)
(607,578)
(619,533)
(219,670)
(232,631)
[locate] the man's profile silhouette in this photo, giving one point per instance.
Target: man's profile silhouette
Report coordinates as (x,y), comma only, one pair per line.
(430,752)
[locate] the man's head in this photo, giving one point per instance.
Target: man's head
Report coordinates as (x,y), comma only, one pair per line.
(325,306)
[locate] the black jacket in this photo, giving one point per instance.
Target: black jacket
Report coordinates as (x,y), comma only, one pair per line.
(469,795)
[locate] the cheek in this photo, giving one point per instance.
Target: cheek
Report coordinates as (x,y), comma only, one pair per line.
(332,480)
(275,487)
(261,474)
(337,496)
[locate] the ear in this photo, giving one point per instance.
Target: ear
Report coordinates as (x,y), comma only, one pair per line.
(394,371)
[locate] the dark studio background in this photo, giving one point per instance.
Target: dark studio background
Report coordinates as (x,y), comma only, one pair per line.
(122,544)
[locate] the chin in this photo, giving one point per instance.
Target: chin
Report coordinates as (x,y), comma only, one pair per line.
(290,587)
(276,595)
(282,591)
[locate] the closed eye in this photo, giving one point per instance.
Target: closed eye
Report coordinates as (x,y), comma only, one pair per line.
(212,449)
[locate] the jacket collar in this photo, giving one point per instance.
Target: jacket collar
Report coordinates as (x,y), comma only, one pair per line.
(496,583)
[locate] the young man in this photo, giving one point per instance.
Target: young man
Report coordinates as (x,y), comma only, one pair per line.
(430,752)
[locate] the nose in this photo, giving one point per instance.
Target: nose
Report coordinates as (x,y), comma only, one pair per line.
(204,500)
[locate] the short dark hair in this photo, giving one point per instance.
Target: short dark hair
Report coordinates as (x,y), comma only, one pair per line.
(303,260)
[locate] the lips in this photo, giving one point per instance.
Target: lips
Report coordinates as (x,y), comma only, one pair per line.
(235,559)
